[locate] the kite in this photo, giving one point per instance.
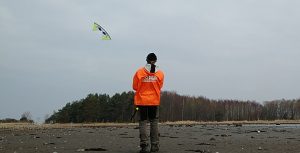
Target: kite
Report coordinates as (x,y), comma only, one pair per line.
(105,36)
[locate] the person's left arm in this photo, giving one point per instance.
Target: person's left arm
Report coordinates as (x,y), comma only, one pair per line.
(135,82)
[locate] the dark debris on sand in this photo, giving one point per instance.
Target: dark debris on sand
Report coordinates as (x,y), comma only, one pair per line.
(174,139)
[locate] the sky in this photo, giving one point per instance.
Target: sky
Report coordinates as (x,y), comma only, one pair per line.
(49,55)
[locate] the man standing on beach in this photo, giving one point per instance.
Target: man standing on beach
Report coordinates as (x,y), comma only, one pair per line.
(147,82)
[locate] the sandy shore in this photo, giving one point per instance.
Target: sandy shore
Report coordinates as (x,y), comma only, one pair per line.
(179,137)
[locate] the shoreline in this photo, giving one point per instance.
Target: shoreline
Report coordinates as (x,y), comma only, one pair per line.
(94,125)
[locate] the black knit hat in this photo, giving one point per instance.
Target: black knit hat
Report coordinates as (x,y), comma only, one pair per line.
(151,57)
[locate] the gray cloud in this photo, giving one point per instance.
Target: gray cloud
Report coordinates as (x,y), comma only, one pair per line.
(219,49)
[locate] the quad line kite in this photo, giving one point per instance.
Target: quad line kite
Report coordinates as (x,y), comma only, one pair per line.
(105,35)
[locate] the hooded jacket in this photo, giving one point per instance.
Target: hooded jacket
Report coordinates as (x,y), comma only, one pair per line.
(147,86)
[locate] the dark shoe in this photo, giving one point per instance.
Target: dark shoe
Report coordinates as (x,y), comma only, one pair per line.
(144,149)
(154,148)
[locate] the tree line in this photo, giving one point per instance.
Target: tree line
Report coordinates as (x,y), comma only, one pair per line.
(25,118)
(174,107)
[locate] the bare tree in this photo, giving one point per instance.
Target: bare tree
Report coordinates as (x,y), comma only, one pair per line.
(26,117)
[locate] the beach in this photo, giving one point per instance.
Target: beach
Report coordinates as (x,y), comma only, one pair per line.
(174,138)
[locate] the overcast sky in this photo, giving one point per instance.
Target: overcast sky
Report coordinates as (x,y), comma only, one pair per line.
(233,49)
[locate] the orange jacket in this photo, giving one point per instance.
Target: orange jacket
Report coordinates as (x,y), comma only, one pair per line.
(147,86)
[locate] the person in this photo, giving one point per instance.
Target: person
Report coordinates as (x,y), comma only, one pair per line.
(147,83)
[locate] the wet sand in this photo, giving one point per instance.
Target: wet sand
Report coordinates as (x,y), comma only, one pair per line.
(269,138)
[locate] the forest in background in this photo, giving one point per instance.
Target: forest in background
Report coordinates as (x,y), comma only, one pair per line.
(174,107)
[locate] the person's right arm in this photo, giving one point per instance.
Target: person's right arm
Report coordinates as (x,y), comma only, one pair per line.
(161,82)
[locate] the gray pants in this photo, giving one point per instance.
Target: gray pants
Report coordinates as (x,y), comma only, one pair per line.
(150,113)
